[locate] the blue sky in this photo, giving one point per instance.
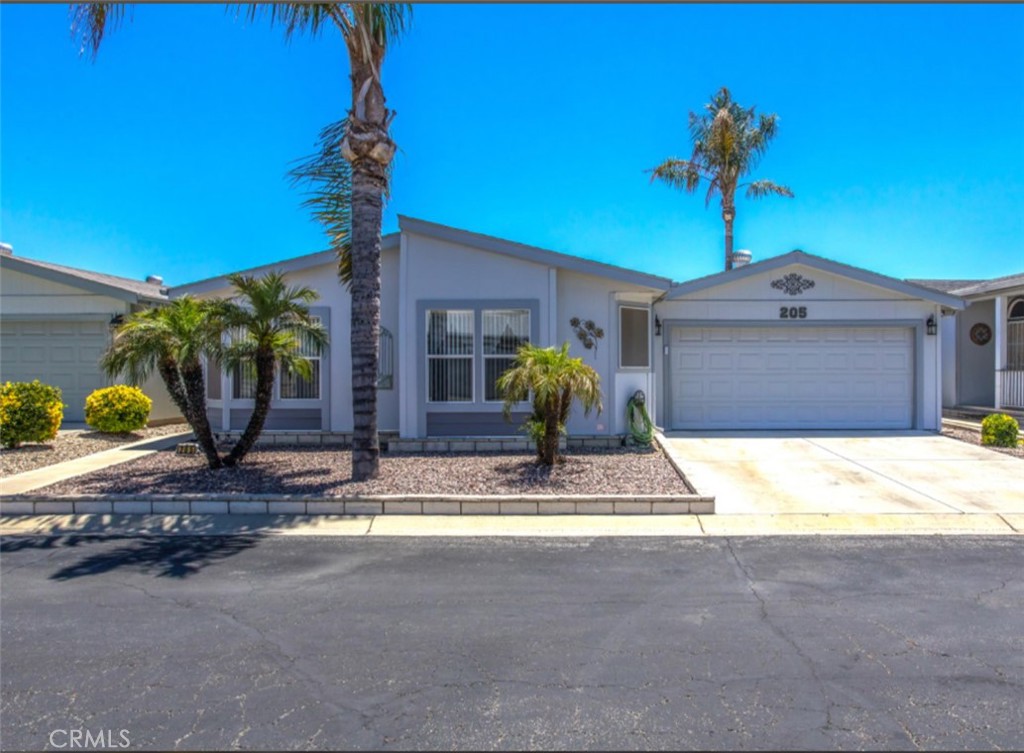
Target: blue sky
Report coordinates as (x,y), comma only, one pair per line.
(901,133)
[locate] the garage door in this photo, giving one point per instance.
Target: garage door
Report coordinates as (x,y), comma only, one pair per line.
(62,353)
(791,378)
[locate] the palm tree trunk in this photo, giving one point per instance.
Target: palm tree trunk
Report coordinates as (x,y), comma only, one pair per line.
(264,394)
(194,383)
(551,433)
(369,149)
(728,215)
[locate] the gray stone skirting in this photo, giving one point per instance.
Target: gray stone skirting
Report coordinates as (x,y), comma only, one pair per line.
(403,504)
(392,443)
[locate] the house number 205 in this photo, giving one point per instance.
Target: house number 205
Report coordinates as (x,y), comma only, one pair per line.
(792,312)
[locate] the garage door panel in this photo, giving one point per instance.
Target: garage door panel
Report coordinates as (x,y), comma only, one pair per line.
(63,353)
(798,378)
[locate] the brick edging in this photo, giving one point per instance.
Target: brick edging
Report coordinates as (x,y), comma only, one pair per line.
(389,504)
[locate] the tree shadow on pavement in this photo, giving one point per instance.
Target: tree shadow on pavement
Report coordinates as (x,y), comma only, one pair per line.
(177,557)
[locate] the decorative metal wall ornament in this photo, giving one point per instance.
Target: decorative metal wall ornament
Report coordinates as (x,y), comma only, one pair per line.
(793,284)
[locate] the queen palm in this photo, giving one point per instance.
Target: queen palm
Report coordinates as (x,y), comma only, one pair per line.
(171,340)
(728,142)
(267,324)
(367,30)
(553,380)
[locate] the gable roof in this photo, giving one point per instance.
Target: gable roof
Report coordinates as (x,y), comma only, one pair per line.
(206,285)
(531,253)
(122,288)
(816,262)
(945,286)
(992,286)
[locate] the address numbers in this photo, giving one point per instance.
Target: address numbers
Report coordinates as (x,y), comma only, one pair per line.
(792,312)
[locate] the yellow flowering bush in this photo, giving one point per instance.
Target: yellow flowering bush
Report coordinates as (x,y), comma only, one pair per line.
(999,430)
(29,412)
(117,410)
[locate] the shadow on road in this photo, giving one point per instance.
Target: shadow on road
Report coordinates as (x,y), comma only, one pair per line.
(160,556)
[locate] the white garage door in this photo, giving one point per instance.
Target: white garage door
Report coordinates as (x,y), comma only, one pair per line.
(62,353)
(791,378)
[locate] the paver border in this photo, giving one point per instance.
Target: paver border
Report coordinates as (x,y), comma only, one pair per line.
(379,504)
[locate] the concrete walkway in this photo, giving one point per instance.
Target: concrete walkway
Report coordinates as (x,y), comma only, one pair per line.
(51,474)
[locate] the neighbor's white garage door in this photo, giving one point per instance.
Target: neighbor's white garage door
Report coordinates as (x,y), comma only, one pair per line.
(62,353)
(791,378)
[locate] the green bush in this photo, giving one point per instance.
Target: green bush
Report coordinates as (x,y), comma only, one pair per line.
(29,412)
(117,410)
(999,430)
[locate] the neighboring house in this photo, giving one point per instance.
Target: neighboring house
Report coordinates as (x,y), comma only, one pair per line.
(56,321)
(792,342)
(983,346)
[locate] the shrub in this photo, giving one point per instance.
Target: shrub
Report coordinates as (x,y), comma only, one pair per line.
(999,430)
(117,410)
(29,412)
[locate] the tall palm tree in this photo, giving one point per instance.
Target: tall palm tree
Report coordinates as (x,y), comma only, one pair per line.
(171,340)
(367,29)
(553,380)
(728,142)
(268,322)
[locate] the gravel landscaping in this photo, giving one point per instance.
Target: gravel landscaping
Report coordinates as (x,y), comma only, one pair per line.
(974,437)
(71,444)
(326,472)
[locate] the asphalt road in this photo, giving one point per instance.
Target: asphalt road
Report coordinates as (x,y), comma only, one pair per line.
(343,643)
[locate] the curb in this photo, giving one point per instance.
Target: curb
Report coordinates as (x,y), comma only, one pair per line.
(391,504)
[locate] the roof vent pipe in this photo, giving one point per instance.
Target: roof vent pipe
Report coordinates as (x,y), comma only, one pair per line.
(155,279)
(6,249)
(741,258)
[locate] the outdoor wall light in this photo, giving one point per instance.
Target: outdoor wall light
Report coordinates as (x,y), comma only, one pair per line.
(116,321)
(932,327)
(657,325)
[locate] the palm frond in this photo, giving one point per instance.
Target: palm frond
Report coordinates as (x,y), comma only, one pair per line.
(90,21)
(760,188)
(328,176)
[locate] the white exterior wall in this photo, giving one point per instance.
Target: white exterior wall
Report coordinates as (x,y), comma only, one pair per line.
(598,298)
(947,340)
(439,270)
(28,294)
(832,299)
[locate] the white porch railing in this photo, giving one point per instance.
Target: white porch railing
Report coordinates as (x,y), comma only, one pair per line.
(1012,393)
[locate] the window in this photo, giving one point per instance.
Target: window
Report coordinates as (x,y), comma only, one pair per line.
(1015,336)
(295,387)
(449,356)
(634,337)
(385,361)
(243,382)
(504,330)
(290,386)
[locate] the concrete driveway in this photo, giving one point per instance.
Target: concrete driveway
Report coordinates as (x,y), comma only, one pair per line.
(848,472)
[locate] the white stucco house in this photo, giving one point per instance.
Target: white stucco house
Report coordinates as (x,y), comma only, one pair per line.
(56,321)
(983,345)
(792,342)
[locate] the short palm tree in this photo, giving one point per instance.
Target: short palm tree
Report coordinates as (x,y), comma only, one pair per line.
(552,380)
(728,142)
(267,324)
(171,340)
(367,29)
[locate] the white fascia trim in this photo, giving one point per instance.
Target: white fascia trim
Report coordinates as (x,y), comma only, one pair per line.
(822,264)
